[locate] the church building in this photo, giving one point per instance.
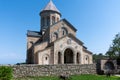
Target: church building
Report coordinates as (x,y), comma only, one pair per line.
(56,42)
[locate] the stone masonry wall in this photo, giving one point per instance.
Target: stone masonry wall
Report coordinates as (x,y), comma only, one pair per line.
(52,70)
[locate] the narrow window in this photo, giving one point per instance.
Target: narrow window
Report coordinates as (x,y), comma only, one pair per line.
(64,32)
(55,36)
(86,59)
(57,19)
(48,21)
(59,58)
(46,58)
(43,21)
(78,58)
(53,19)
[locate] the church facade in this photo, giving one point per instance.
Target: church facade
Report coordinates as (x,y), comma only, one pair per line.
(56,42)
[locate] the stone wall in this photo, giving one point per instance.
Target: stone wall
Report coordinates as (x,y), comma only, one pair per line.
(52,70)
(104,65)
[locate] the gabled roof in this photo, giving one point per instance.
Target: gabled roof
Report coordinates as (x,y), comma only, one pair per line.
(68,23)
(50,7)
(77,40)
(73,37)
(64,20)
(33,33)
(85,49)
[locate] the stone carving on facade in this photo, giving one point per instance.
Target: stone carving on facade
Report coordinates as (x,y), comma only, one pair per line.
(69,41)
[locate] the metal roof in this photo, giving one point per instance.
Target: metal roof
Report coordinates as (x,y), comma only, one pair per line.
(33,33)
(50,7)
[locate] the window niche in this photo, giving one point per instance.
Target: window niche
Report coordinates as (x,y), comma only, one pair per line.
(78,58)
(43,21)
(48,21)
(64,31)
(55,36)
(53,19)
(59,58)
(86,59)
(57,19)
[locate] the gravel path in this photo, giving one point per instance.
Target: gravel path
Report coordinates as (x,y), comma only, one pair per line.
(117,75)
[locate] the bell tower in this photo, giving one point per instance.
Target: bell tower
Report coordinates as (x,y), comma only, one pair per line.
(49,16)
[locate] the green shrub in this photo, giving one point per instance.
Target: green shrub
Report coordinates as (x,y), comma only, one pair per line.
(6,73)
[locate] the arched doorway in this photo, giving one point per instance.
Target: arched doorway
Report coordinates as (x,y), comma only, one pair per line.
(109,66)
(78,58)
(59,58)
(68,56)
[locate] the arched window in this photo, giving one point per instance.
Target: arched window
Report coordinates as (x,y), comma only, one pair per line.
(55,36)
(48,21)
(57,19)
(86,59)
(45,59)
(43,21)
(59,58)
(78,58)
(53,19)
(64,31)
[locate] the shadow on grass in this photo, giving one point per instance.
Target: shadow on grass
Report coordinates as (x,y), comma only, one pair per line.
(118,78)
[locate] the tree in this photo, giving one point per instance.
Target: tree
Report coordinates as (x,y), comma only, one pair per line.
(114,50)
(96,57)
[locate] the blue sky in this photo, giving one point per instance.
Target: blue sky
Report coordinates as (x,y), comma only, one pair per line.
(97,22)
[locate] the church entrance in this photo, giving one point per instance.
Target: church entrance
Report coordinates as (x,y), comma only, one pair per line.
(109,66)
(68,56)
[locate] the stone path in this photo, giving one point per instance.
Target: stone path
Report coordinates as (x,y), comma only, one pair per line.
(117,75)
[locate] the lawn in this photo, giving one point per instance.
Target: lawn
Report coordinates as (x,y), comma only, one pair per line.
(93,77)
(75,77)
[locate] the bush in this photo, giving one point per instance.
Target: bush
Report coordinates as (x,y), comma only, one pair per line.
(6,73)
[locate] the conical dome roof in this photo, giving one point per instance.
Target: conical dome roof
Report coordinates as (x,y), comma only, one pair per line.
(50,7)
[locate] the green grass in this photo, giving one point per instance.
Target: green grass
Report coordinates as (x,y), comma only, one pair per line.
(93,77)
(75,77)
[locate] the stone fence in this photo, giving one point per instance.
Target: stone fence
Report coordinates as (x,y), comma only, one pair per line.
(52,70)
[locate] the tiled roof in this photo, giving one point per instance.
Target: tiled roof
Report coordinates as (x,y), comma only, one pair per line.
(70,24)
(84,49)
(67,22)
(33,33)
(51,7)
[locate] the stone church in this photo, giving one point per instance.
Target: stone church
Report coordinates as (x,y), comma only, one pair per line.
(56,42)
